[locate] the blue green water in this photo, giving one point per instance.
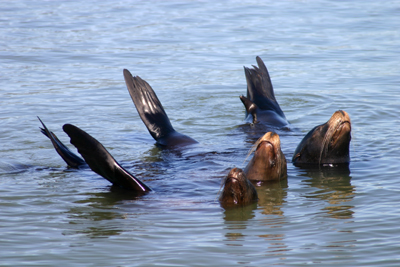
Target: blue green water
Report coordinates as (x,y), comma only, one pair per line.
(63,61)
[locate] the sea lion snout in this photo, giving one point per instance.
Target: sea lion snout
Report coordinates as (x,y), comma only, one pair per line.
(327,143)
(238,190)
(268,162)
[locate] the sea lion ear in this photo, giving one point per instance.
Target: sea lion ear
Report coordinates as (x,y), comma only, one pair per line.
(251,107)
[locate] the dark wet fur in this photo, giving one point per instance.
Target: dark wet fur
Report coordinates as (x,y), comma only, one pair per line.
(259,88)
(101,161)
(268,163)
(260,101)
(96,156)
(67,155)
(238,190)
(315,148)
(152,112)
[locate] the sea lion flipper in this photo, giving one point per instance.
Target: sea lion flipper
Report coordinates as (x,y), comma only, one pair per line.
(267,88)
(251,108)
(67,155)
(152,112)
(259,82)
(260,89)
(101,161)
(148,106)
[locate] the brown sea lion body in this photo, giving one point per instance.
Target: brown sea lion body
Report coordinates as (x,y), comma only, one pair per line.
(268,162)
(238,190)
(326,144)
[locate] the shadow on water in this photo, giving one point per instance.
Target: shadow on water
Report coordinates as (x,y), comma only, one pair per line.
(97,217)
(13,167)
(168,157)
(333,185)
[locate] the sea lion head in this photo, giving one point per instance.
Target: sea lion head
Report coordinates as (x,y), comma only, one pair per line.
(327,143)
(238,190)
(268,162)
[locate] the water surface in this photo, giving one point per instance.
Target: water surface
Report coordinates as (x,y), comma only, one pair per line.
(63,61)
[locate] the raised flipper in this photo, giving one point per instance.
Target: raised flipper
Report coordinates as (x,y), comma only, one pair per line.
(152,112)
(251,108)
(69,157)
(259,88)
(101,162)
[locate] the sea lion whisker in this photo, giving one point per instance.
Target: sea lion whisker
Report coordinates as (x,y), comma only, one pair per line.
(324,146)
(253,148)
(322,149)
(328,136)
(238,190)
(327,143)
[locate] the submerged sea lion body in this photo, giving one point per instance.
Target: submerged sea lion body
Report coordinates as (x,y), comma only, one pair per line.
(260,102)
(153,114)
(238,190)
(268,162)
(326,144)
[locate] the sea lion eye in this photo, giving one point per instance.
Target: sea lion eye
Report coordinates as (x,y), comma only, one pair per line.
(272,163)
(296,157)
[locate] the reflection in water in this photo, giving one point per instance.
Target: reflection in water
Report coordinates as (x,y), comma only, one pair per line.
(97,216)
(271,195)
(241,213)
(334,186)
(153,154)
(236,220)
(274,236)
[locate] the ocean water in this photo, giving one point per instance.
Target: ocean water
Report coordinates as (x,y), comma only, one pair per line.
(63,61)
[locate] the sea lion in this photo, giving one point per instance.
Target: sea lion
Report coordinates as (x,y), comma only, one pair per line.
(268,162)
(67,155)
(96,156)
(326,144)
(260,102)
(153,114)
(238,190)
